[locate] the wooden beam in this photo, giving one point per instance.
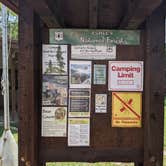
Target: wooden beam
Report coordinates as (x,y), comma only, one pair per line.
(93,13)
(11,4)
(138,164)
(12,60)
(154,89)
(137,13)
(54,7)
(44,11)
(28,84)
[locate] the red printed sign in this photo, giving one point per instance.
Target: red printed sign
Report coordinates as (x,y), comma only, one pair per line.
(125,76)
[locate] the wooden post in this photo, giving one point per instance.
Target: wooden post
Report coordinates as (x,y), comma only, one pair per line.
(93,13)
(13,87)
(28,78)
(154,90)
(138,164)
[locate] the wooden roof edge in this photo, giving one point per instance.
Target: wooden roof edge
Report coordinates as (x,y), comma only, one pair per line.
(13,5)
(48,16)
(137,12)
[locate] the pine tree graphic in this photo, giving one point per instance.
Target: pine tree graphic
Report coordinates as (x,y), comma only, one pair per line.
(60,60)
(50,67)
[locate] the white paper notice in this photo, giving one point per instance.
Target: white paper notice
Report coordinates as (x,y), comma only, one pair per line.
(54,59)
(78,132)
(54,121)
(100,103)
(93,52)
(125,76)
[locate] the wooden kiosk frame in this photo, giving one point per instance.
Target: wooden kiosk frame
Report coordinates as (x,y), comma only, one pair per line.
(142,146)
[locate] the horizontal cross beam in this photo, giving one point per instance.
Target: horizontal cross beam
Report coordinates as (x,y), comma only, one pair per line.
(11,4)
(137,12)
(48,16)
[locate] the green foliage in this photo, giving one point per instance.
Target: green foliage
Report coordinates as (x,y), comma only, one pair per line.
(164,162)
(12,24)
(165,126)
(13,128)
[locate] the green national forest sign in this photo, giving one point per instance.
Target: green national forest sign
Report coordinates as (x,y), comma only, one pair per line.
(94,37)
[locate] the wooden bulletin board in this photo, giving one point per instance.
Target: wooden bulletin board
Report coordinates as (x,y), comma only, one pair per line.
(140,145)
(105,140)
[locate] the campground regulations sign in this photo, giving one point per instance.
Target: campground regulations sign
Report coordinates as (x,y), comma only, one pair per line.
(126,109)
(125,76)
(94,37)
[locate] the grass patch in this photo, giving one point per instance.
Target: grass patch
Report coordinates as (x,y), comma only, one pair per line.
(165,123)
(13,128)
(164,162)
(165,126)
(89,164)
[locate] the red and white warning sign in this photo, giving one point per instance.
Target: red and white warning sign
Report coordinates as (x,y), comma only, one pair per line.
(125,76)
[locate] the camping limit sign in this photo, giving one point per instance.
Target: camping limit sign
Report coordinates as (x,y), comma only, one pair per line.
(126,109)
(125,76)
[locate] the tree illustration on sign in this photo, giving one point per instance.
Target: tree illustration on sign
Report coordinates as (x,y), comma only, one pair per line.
(60,60)
(50,67)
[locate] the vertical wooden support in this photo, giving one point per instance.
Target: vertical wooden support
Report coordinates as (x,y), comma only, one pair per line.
(45,34)
(138,164)
(13,87)
(154,90)
(93,13)
(43,164)
(28,78)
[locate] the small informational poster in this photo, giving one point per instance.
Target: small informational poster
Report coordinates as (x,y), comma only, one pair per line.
(125,76)
(79,103)
(90,52)
(78,132)
(126,109)
(99,76)
(55,59)
(54,121)
(80,74)
(101,103)
(54,91)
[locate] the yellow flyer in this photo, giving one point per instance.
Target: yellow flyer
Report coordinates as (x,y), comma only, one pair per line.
(126,109)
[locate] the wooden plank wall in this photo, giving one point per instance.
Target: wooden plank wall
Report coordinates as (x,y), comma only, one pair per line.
(107,143)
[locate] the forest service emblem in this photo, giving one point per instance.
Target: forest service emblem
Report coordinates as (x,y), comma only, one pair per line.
(58,36)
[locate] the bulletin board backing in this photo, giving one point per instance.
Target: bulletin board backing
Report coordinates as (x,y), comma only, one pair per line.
(105,141)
